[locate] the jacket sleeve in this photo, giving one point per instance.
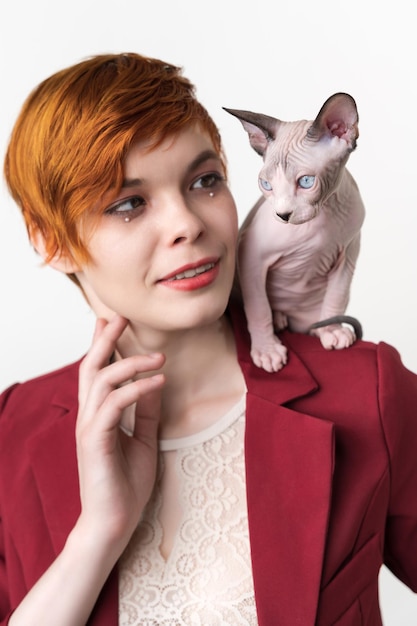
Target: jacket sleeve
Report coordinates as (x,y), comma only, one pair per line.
(398,406)
(5,611)
(5,608)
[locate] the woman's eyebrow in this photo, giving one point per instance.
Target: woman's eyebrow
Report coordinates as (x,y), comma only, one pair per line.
(131,182)
(206,155)
(202,157)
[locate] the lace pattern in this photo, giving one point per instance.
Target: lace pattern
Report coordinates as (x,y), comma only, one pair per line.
(207,577)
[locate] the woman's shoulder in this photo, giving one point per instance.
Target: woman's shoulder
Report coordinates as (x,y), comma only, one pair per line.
(380,364)
(361,353)
(360,349)
(58,387)
(364,370)
(363,356)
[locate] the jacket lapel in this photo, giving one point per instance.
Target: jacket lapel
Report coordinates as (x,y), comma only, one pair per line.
(289,468)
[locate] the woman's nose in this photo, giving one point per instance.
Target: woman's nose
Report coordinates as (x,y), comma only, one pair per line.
(184,224)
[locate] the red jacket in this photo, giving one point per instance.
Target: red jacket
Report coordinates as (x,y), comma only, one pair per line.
(331,482)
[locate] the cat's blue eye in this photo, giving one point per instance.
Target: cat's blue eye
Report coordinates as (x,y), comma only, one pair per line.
(265,184)
(306,182)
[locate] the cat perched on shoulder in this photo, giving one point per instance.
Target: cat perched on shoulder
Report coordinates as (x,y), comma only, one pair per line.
(300,242)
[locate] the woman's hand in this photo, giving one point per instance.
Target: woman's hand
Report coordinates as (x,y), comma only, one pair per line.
(117,471)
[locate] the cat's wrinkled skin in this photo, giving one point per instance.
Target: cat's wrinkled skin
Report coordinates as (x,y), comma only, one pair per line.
(296,270)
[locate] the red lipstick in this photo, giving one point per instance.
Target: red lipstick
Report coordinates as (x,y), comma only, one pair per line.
(192,276)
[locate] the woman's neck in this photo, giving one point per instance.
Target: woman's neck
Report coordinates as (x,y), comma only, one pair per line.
(203,377)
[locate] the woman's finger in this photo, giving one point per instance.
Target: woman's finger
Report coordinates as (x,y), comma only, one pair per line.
(119,376)
(144,393)
(102,347)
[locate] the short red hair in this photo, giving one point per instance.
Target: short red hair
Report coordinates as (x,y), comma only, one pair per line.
(70,140)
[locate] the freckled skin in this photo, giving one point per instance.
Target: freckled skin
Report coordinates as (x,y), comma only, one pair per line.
(298,247)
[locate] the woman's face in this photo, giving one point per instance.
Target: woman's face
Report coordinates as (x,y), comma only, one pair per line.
(163,252)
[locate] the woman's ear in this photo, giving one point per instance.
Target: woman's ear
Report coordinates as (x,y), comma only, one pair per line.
(61,261)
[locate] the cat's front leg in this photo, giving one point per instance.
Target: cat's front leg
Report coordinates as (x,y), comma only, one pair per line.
(332,330)
(267,351)
(257,253)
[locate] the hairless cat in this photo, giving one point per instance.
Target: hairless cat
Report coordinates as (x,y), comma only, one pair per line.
(296,270)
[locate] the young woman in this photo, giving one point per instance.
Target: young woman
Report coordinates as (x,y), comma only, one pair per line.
(164,479)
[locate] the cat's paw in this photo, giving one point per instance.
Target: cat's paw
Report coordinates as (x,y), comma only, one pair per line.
(270,356)
(335,337)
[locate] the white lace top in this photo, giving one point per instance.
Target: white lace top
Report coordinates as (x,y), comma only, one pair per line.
(203,575)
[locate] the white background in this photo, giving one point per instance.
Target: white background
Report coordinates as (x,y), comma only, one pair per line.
(280,58)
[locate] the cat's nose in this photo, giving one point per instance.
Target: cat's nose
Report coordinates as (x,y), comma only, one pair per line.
(285,217)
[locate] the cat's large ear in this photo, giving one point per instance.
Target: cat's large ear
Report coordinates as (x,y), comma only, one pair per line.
(338,117)
(260,128)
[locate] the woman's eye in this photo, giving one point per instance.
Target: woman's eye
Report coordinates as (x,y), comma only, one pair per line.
(207,181)
(265,185)
(126,206)
(306,182)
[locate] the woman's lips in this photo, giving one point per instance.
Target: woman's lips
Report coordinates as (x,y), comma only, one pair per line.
(193,276)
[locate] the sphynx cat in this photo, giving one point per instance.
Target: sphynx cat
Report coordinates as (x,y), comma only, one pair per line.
(299,244)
